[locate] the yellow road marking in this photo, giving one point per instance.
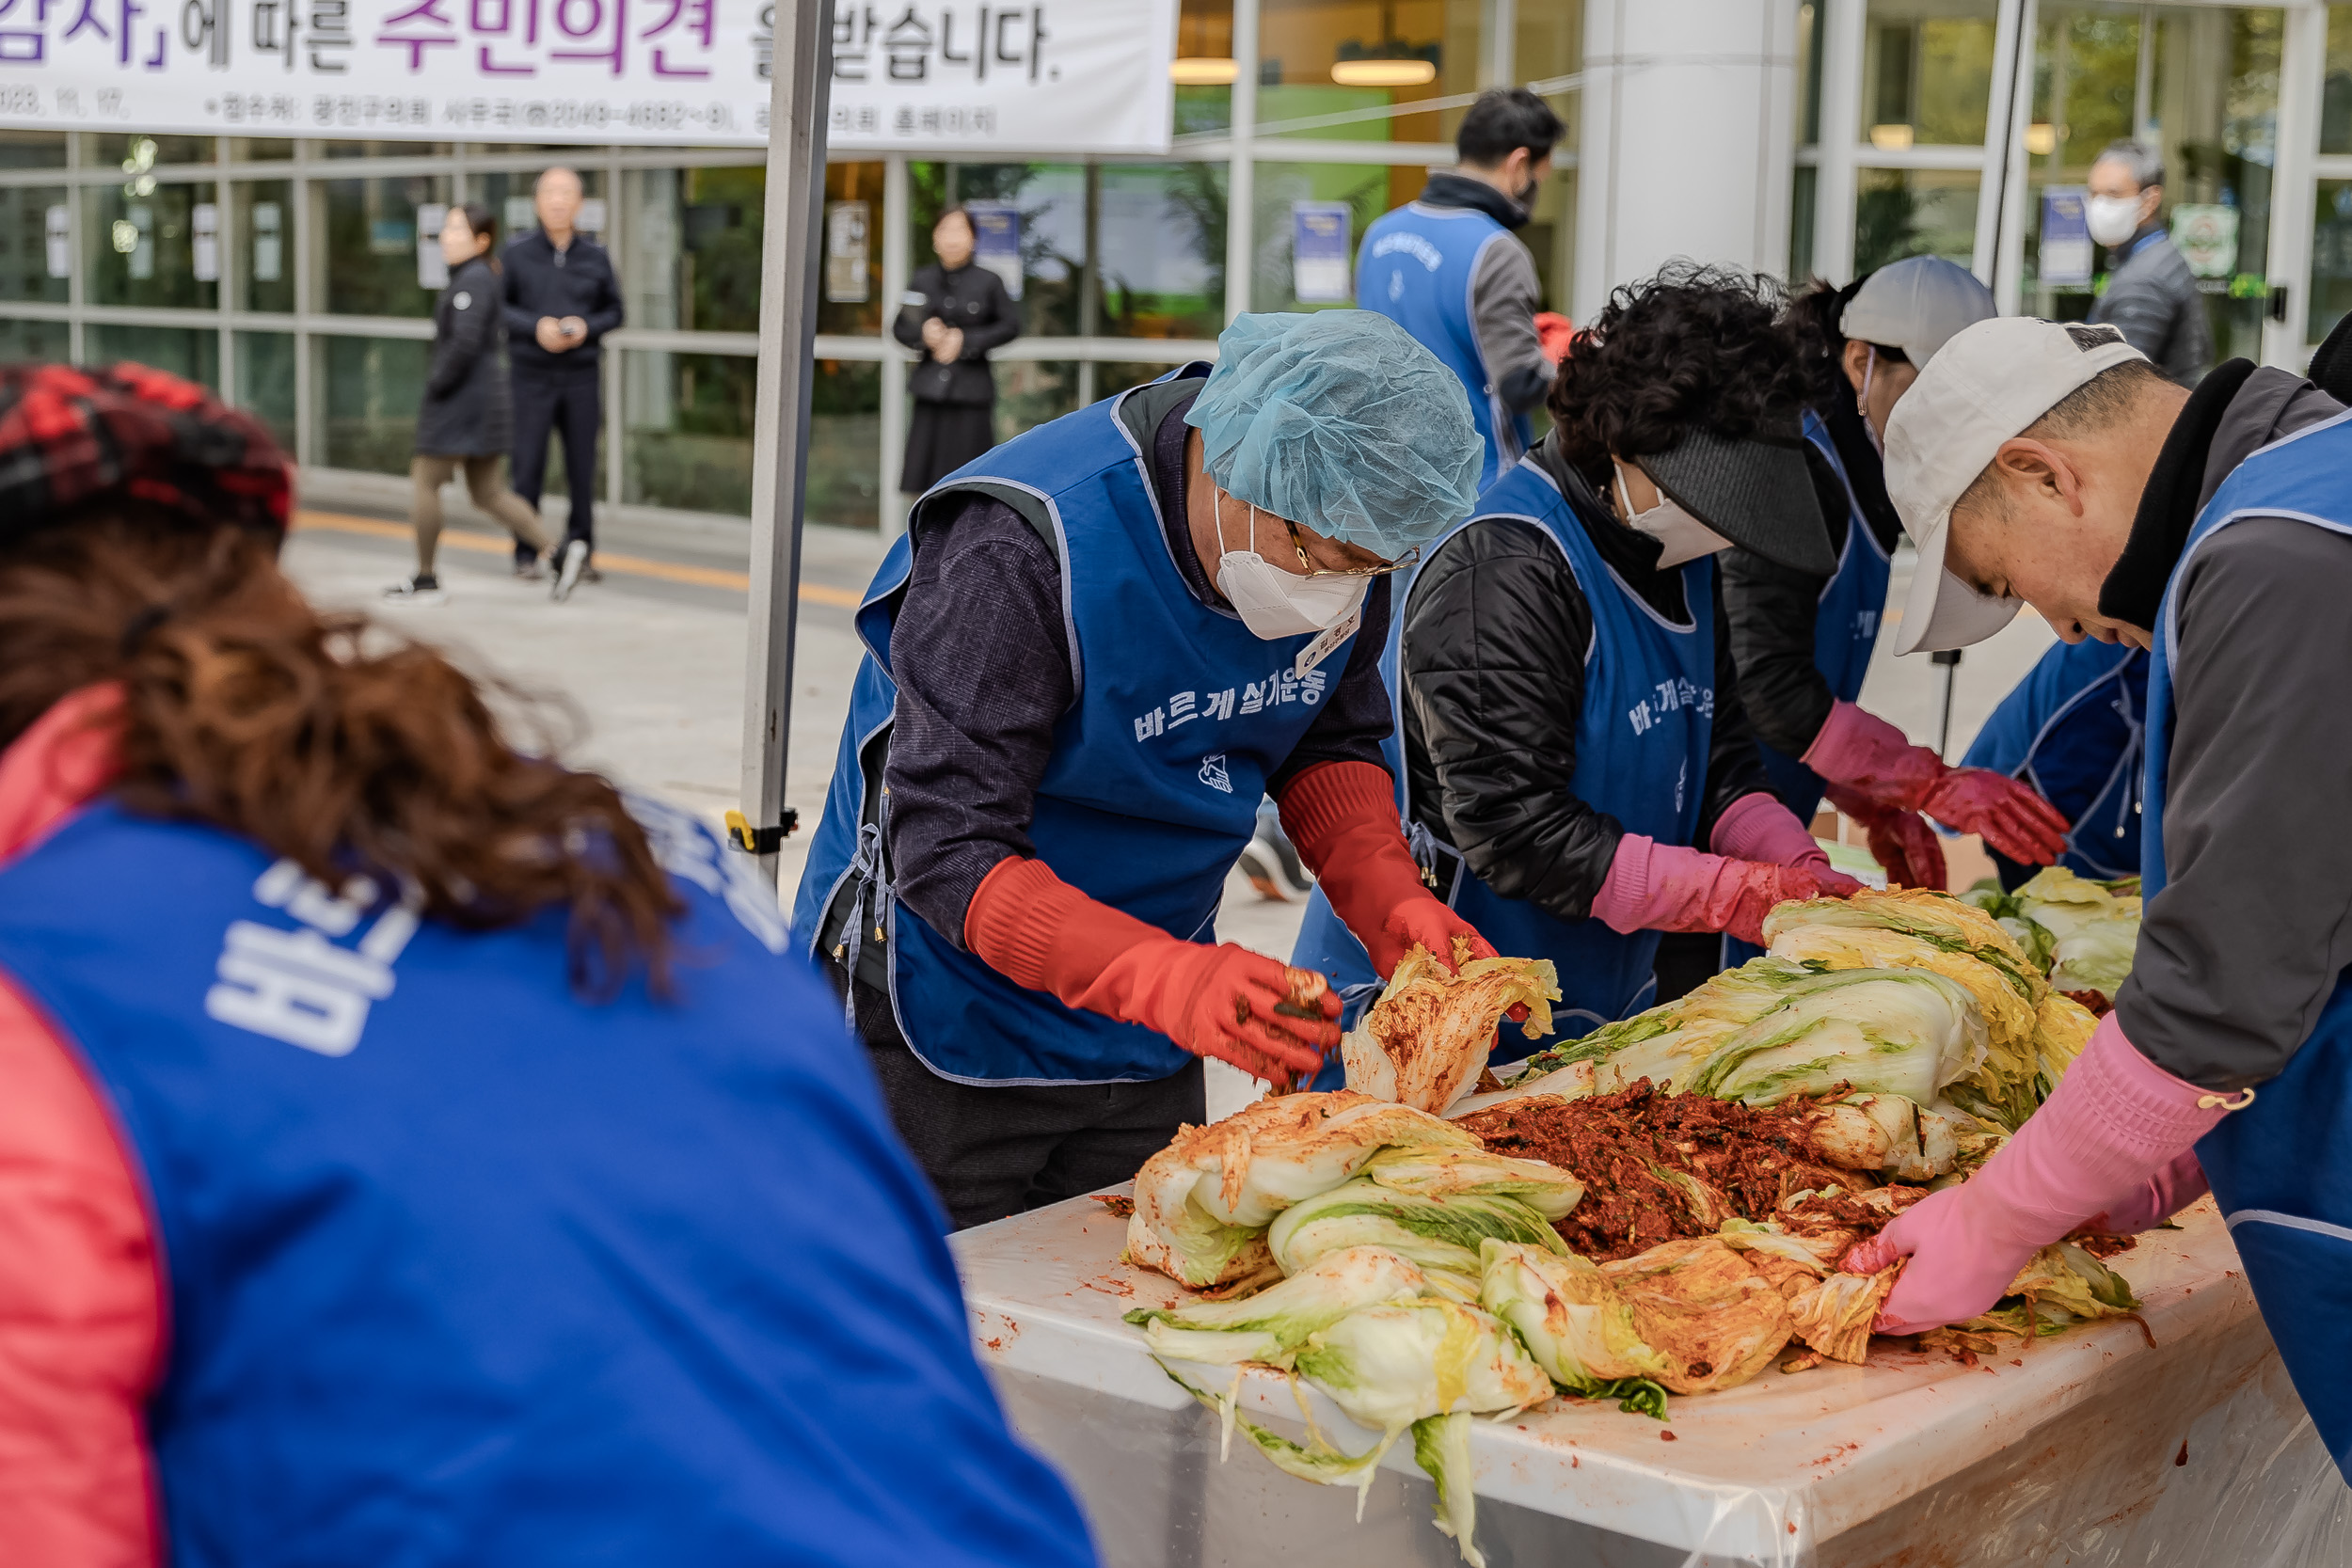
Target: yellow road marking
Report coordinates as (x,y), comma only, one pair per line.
(630,565)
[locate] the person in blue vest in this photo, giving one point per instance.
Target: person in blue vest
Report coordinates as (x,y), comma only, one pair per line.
(1803,643)
(1447,268)
(2054,464)
(1571,752)
(1094,652)
(412,1150)
(2072,729)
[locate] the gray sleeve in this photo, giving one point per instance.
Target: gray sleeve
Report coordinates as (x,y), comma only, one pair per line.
(2140,310)
(1503,296)
(2244,947)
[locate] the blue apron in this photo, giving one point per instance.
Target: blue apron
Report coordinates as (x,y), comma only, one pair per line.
(2072,729)
(2281,1168)
(1845,628)
(1150,796)
(1416,268)
(1640,755)
(463,1269)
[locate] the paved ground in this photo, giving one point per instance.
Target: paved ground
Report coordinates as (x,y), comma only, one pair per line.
(650,661)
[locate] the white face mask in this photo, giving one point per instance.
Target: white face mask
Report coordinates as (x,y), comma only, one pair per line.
(1273,603)
(1685,537)
(2112,219)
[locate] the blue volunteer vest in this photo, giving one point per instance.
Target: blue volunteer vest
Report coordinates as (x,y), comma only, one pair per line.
(2072,729)
(464,1269)
(1416,268)
(1845,628)
(1640,755)
(1151,792)
(2281,1168)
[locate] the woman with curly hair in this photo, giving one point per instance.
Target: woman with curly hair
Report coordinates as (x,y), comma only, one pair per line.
(1573,759)
(411,1150)
(1803,641)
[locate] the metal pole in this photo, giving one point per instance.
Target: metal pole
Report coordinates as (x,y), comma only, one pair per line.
(1950,660)
(788,334)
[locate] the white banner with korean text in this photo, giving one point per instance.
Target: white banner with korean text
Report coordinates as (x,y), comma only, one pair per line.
(922,76)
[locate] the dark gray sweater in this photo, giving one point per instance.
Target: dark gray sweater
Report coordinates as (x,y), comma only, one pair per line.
(2246,942)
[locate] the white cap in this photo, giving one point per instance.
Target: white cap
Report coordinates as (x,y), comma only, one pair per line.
(1988,383)
(1916,304)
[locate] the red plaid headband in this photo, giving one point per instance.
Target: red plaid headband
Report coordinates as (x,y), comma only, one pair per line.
(74,437)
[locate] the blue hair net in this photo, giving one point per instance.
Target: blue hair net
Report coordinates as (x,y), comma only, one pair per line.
(1339,422)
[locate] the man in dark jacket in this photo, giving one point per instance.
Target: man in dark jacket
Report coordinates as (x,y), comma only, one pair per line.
(2053,465)
(562,298)
(2152,297)
(1445,266)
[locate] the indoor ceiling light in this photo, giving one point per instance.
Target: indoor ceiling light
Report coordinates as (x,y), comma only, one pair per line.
(1383,73)
(1204,71)
(2042,139)
(1891,138)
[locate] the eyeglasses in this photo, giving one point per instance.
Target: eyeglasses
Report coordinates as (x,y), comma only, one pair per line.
(1409,557)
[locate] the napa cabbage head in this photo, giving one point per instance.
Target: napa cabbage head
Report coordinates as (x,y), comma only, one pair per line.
(1670,1042)
(1433,1172)
(1888,1031)
(1389,1367)
(1569,1316)
(1437,1233)
(1270,1324)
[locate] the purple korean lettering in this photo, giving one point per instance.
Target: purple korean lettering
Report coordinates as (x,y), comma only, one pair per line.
(497,19)
(430,30)
(695,17)
(567,12)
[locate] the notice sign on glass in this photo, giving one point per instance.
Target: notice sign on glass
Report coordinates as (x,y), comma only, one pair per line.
(2066,255)
(1319,236)
(2206,234)
(638,71)
(849,254)
(1082,76)
(996,240)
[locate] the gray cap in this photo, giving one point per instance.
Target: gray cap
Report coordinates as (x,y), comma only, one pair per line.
(1757,491)
(1916,304)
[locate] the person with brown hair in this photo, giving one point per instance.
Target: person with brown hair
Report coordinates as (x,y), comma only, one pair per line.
(467,418)
(411,1150)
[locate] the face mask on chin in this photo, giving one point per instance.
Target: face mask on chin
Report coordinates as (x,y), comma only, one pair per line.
(1276,604)
(1683,536)
(2112,219)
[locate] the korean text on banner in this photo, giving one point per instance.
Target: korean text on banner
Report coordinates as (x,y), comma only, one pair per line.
(938,75)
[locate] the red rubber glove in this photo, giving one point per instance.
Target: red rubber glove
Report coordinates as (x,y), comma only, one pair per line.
(2117,1124)
(1900,841)
(1341,817)
(1039,932)
(1873,760)
(1554,334)
(1672,887)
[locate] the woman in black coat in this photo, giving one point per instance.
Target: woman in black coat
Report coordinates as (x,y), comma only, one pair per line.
(466,420)
(955,313)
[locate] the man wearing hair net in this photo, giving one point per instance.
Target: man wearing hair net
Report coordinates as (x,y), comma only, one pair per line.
(1096,649)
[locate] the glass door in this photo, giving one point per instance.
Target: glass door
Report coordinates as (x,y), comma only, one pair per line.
(2200,85)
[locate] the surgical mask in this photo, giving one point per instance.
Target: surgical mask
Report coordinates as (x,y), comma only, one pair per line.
(1862,399)
(1273,603)
(1685,537)
(2112,219)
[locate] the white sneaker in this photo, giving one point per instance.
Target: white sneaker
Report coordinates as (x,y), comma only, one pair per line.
(575,561)
(1273,868)
(421,589)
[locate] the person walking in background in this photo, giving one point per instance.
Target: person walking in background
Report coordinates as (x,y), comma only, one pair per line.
(955,313)
(466,420)
(2152,297)
(1445,268)
(562,298)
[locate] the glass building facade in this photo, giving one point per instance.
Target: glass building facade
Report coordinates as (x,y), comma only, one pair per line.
(288,274)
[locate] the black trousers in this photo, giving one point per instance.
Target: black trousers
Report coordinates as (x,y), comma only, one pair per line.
(992,1151)
(569,404)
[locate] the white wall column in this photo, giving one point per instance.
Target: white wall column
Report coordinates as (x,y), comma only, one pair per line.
(2302,80)
(1241,175)
(2008,279)
(1689,135)
(2012,53)
(1842,35)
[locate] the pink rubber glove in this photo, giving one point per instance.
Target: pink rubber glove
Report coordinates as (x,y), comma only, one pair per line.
(2117,1123)
(2161,1196)
(1672,887)
(1900,841)
(1757,826)
(1871,757)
